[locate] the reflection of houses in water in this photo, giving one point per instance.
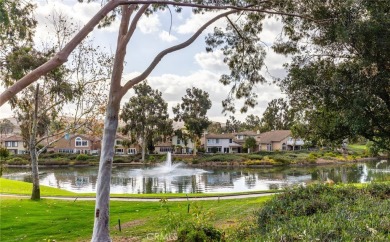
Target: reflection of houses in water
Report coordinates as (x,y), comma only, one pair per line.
(298,179)
(81,180)
(223,179)
(163,184)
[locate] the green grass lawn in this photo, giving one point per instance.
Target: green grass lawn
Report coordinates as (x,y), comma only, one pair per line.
(49,220)
(357,148)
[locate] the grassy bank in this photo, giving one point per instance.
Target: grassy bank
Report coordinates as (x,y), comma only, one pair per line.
(314,213)
(54,220)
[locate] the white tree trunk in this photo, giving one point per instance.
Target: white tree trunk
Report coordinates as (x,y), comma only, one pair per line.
(36,191)
(195,149)
(101,231)
(143,148)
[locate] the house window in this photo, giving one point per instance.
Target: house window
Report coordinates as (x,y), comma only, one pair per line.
(119,151)
(11,144)
(217,141)
(68,151)
(240,136)
(269,147)
(166,149)
(214,149)
(230,141)
(118,142)
(131,151)
(284,146)
(178,141)
(80,142)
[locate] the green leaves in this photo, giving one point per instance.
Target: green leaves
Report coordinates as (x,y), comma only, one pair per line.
(16,22)
(339,78)
(244,55)
(193,110)
(146,115)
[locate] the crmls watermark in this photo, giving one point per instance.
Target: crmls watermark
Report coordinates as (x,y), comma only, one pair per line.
(161,236)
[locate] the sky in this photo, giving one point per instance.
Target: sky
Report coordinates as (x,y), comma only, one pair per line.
(186,68)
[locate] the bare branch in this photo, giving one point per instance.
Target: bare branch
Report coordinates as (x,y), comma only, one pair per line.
(134,23)
(163,53)
(60,57)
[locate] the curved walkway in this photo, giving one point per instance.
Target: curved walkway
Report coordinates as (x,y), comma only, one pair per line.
(129,199)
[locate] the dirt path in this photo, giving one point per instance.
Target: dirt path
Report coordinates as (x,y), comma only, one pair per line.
(149,199)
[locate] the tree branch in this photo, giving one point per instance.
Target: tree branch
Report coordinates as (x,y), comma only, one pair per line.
(61,57)
(134,23)
(163,53)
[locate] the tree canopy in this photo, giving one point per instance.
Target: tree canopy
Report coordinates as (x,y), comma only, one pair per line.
(277,116)
(146,116)
(16,22)
(340,77)
(192,111)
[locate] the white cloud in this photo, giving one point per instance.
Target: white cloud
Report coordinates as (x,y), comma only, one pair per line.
(212,61)
(167,37)
(150,24)
(195,21)
(271,30)
(201,70)
(173,88)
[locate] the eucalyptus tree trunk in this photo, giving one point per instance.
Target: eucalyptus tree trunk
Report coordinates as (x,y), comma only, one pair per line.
(36,191)
(101,225)
(195,140)
(143,148)
(101,231)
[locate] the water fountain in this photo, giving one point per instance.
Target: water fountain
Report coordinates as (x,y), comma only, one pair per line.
(167,169)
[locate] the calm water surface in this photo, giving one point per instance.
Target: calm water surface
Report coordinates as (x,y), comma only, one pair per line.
(183,179)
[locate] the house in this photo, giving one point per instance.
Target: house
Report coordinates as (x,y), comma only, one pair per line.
(228,143)
(164,147)
(124,147)
(182,146)
(77,144)
(14,144)
(221,143)
(240,138)
(279,140)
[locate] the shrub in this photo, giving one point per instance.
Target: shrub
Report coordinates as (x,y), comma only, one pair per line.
(372,149)
(4,152)
(193,225)
(59,161)
(17,161)
(119,160)
(330,154)
(254,157)
(82,157)
(192,233)
(224,157)
(324,213)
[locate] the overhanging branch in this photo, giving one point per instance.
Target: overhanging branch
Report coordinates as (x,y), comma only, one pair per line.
(163,53)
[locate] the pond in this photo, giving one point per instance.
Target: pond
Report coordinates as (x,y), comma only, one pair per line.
(182,179)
